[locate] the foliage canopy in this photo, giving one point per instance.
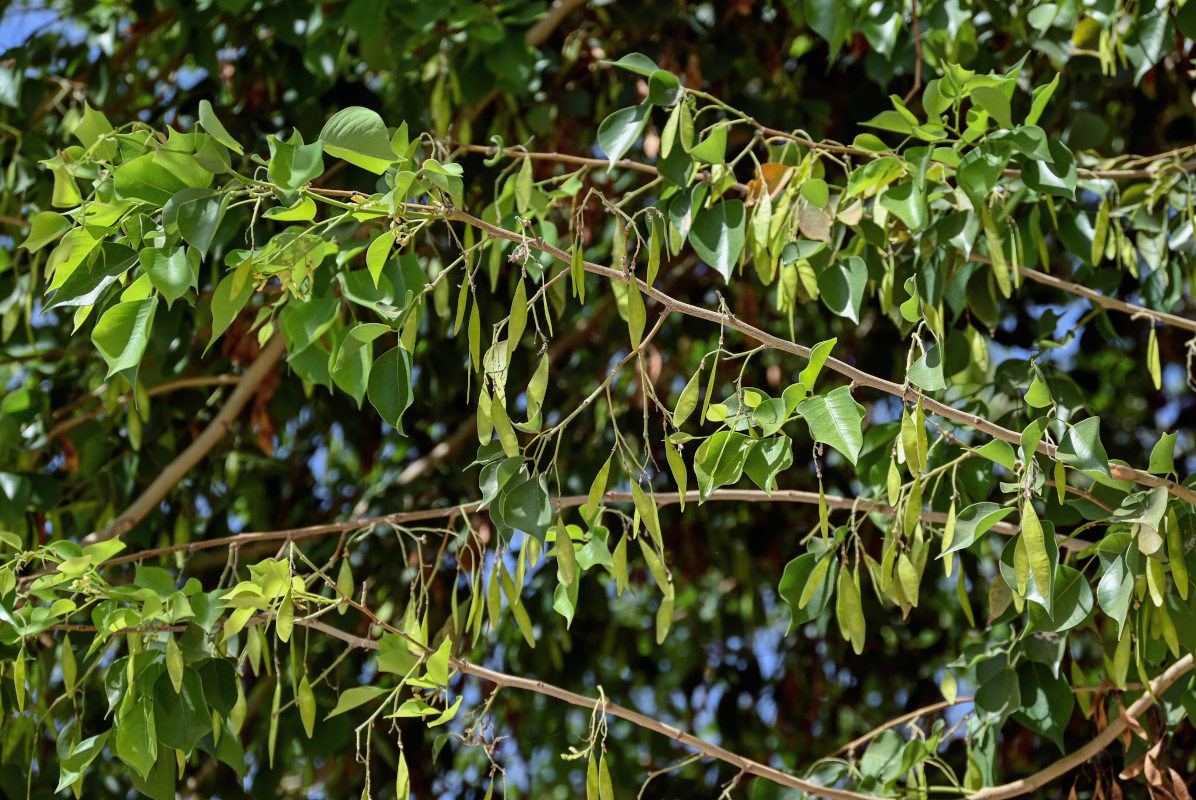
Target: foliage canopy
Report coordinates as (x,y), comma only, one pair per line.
(623,414)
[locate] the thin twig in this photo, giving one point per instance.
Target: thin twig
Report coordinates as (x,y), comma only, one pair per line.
(1102,300)
(833,502)
(565,158)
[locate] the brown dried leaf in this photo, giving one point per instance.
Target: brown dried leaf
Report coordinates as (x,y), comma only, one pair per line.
(771,176)
(1178,787)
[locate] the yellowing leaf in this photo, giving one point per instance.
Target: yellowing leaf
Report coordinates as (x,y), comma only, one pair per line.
(1036,551)
(1153,365)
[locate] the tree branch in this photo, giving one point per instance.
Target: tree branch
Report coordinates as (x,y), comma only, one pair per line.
(585,161)
(1103,300)
(569,501)
(503,680)
(199,448)
(539,33)
(16,222)
(1006,790)
(748,766)
(940,706)
(906,392)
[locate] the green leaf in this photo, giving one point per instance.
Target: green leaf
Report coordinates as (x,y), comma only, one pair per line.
(999,696)
(517,319)
(198,216)
(160,783)
(927,372)
(841,286)
(908,202)
(663,88)
(136,740)
(1081,447)
(597,490)
(767,459)
(1000,452)
(303,210)
(980,169)
(1055,176)
(390,386)
(994,101)
(688,399)
(358,135)
(303,323)
(818,356)
(1046,702)
(712,149)
(835,420)
(890,120)
(974,521)
(1071,603)
(719,461)
(293,163)
(524,184)
(437,664)
(352,359)
(1029,140)
(524,505)
(1032,436)
(66,190)
(636,315)
(92,127)
(677,468)
(717,235)
(122,334)
(1038,395)
(636,62)
(1034,538)
(230,296)
(142,178)
(220,684)
(181,718)
(816,192)
(72,766)
(377,253)
(47,227)
(450,712)
(210,123)
(1162,456)
(849,611)
(620,130)
(577,271)
(169,271)
(174,664)
(1153,366)
(794,582)
(1115,590)
(87,283)
(354,697)
(1041,96)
